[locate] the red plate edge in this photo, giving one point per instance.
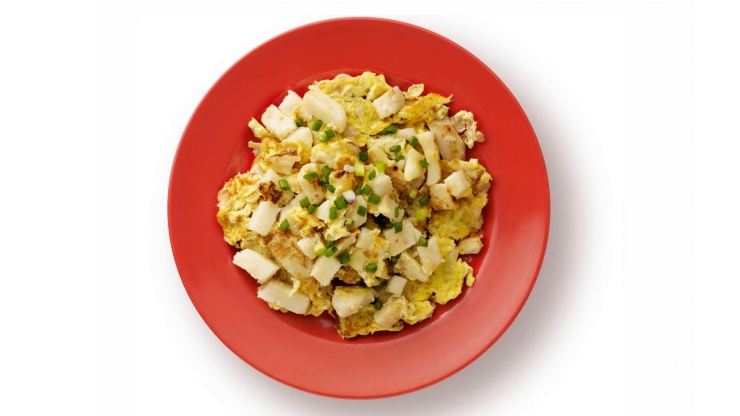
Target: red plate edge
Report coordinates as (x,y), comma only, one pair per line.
(399,389)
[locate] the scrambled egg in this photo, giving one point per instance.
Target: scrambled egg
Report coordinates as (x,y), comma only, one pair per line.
(359,203)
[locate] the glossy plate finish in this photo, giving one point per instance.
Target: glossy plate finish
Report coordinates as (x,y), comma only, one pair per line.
(306,352)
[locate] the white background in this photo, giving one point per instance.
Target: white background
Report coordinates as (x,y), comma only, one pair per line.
(635,105)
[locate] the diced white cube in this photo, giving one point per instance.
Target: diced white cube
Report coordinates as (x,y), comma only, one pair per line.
(324,269)
(387,206)
(413,169)
(348,300)
(431,154)
(410,268)
(307,244)
(325,109)
(398,242)
(396,285)
(458,183)
(430,255)
(389,103)
(277,122)
(366,238)
(322,212)
(301,135)
(381,185)
(257,265)
(440,197)
(279,293)
(391,312)
(269,176)
(352,214)
(263,218)
(290,103)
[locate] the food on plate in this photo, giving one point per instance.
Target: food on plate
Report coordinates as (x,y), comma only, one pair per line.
(359,203)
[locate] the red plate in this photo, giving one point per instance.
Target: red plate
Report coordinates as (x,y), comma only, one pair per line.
(306,352)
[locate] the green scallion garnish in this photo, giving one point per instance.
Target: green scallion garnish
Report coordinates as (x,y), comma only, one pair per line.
(317,125)
(340,202)
(424,200)
(283,184)
(398,227)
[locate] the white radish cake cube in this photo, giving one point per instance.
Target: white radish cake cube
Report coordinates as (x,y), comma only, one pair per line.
(324,269)
(389,103)
(277,122)
(458,183)
(325,109)
(257,265)
(431,154)
(263,218)
(279,293)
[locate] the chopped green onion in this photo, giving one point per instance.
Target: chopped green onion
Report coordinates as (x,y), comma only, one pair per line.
(372,267)
(396,211)
(284,185)
(332,213)
(423,163)
(380,166)
(424,200)
(399,158)
(398,227)
(421,214)
(371,175)
(358,191)
(359,169)
(329,133)
(378,305)
(323,137)
(423,241)
(343,258)
(284,225)
(340,202)
(389,130)
(305,202)
(317,125)
(361,210)
(299,122)
(330,251)
(395,148)
(312,208)
(325,171)
(367,189)
(310,176)
(329,244)
(382,285)
(394,259)
(363,156)
(319,249)
(414,141)
(373,199)
(409,200)
(348,222)
(330,187)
